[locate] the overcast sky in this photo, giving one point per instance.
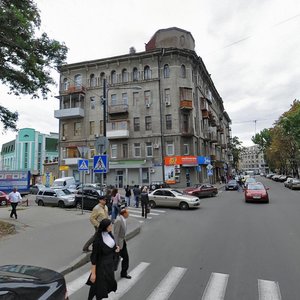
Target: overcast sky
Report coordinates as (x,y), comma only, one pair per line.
(251,48)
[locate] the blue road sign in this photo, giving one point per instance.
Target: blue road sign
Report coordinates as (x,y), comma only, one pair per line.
(83,164)
(100,164)
(210,173)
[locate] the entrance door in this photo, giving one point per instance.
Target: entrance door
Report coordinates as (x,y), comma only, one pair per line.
(119,179)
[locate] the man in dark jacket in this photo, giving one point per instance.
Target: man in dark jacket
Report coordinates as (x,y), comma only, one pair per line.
(145,202)
(137,195)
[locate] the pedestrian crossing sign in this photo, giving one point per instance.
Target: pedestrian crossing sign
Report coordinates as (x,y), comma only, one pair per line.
(100,164)
(83,164)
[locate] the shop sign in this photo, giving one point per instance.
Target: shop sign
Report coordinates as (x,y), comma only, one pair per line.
(203,160)
(181,160)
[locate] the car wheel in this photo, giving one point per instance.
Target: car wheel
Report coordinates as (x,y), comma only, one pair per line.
(40,203)
(78,205)
(183,206)
(61,204)
(152,204)
(3,202)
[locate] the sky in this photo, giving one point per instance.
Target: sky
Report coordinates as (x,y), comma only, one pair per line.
(251,48)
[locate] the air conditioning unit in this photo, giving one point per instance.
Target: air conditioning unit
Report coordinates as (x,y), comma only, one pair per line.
(168,103)
(156,146)
(152,170)
(148,105)
(63,138)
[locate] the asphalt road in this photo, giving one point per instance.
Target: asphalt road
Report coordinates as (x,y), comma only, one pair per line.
(227,249)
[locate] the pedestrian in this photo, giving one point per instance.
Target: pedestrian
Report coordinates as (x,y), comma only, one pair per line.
(14,198)
(137,195)
(108,200)
(116,204)
(99,212)
(120,227)
(102,277)
(127,195)
(145,202)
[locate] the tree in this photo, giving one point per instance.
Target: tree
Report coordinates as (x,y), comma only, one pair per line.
(25,59)
(262,140)
(236,149)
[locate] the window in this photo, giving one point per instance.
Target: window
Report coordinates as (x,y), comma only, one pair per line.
(148,123)
(186,149)
(166,71)
(26,156)
(102,77)
(113,77)
(64,129)
(113,99)
(186,94)
(65,84)
(135,98)
(185,123)
(78,81)
(168,122)
(136,124)
(137,150)
(124,98)
(182,71)
(77,129)
(135,74)
(167,96)
(114,150)
(125,150)
(92,80)
(147,73)
(124,75)
(149,150)
(147,97)
(92,127)
(170,148)
(93,102)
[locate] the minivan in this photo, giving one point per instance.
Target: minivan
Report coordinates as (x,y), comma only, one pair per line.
(64,182)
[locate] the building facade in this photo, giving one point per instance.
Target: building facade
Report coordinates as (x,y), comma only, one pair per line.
(30,151)
(253,160)
(163,116)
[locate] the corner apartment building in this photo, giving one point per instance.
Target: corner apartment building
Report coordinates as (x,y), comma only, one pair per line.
(253,160)
(164,118)
(29,151)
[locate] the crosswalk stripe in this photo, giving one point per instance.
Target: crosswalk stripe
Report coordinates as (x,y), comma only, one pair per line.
(268,290)
(125,285)
(139,216)
(77,284)
(140,209)
(216,287)
(168,284)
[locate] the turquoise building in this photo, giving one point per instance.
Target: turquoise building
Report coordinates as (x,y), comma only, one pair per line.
(30,151)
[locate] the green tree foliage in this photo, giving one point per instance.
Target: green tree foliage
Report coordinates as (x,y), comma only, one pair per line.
(25,58)
(262,139)
(236,149)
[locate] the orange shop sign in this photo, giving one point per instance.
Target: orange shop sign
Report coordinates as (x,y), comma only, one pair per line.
(181,160)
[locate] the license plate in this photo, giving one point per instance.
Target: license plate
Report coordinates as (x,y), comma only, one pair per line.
(256,197)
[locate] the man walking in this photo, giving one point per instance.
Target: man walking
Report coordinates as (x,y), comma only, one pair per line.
(127,195)
(120,227)
(14,197)
(137,194)
(145,202)
(99,212)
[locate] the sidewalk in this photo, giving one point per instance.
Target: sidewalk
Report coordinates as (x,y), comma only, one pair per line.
(50,237)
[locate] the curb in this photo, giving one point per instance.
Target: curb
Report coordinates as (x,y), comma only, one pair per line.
(85,257)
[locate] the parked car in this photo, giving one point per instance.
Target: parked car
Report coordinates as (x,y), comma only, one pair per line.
(55,197)
(294,184)
(283,178)
(270,175)
(158,185)
(276,177)
(34,189)
(30,282)
(172,198)
(201,190)
(256,192)
(287,182)
(90,197)
(3,198)
(232,185)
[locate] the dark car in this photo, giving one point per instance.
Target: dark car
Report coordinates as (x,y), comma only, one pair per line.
(256,192)
(158,185)
(22,282)
(90,197)
(232,185)
(202,190)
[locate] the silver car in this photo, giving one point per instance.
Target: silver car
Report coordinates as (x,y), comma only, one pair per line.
(55,197)
(294,184)
(172,198)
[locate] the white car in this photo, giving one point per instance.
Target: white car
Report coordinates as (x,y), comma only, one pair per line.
(172,198)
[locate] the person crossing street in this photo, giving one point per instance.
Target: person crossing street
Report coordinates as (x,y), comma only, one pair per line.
(14,198)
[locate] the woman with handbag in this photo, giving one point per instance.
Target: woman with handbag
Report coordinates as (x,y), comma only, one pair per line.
(102,278)
(145,202)
(116,204)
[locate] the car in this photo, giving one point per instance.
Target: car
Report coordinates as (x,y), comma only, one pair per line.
(283,178)
(294,184)
(276,177)
(3,198)
(172,198)
(26,282)
(256,191)
(55,197)
(157,185)
(270,175)
(232,185)
(90,197)
(249,180)
(201,190)
(287,182)
(34,189)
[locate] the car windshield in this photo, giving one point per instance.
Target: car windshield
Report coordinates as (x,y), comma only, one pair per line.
(176,193)
(255,187)
(67,192)
(60,193)
(232,182)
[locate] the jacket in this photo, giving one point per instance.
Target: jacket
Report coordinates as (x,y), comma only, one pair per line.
(98,214)
(119,231)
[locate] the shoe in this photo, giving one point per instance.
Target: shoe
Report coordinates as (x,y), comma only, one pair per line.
(126,276)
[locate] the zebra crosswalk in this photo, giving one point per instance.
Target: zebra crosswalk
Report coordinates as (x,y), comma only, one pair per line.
(137,213)
(215,288)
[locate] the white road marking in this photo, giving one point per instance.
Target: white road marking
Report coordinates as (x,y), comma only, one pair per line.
(166,287)
(216,287)
(139,216)
(268,290)
(77,284)
(152,209)
(124,285)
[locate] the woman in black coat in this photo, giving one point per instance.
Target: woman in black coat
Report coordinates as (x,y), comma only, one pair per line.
(102,278)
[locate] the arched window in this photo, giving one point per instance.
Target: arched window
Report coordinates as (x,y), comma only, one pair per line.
(183,71)
(124,75)
(147,72)
(92,80)
(135,74)
(166,71)
(113,77)
(78,80)
(65,84)
(102,77)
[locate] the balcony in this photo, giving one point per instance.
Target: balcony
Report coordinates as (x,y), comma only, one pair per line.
(187,133)
(213,137)
(203,104)
(69,113)
(118,110)
(205,114)
(220,129)
(117,130)
(186,104)
(74,89)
